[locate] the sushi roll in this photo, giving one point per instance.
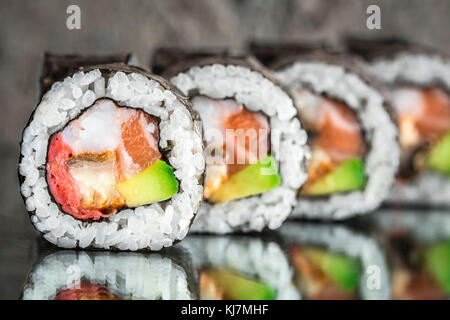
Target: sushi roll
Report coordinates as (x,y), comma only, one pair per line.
(112,158)
(418,83)
(333,262)
(241,268)
(72,275)
(352,138)
(255,148)
(418,249)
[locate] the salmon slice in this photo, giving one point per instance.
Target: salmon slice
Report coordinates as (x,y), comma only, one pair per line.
(236,137)
(335,133)
(340,134)
(249,144)
(139,147)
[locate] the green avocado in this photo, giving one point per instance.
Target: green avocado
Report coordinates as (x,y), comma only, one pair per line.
(343,270)
(347,176)
(154,184)
(437,261)
(253,179)
(238,287)
(439,156)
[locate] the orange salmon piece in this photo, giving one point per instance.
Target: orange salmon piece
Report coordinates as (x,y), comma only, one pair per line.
(136,143)
(247,120)
(435,116)
(339,132)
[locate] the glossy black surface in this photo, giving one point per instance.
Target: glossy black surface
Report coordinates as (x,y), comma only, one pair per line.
(266,257)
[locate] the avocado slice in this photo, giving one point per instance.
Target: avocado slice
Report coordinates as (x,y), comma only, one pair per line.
(347,176)
(439,156)
(253,179)
(238,287)
(154,184)
(437,261)
(343,270)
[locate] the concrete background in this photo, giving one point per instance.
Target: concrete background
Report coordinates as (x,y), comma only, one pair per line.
(29,28)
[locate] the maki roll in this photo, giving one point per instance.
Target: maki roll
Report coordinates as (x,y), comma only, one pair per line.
(333,262)
(418,251)
(418,83)
(241,268)
(353,141)
(255,149)
(112,158)
(71,275)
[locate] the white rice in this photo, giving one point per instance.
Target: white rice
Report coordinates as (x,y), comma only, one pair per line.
(152,226)
(257,93)
(130,275)
(253,257)
(420,69)
(382,159)
(341,239)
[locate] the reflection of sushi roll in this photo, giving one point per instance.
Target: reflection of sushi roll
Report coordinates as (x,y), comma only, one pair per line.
(255,148)
(240,268)
(418,80)
(112,158)
(334,262)
(354,151)
(70,275)
(418,251)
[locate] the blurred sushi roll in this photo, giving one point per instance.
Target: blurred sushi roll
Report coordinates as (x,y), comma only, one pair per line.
(72,275)
(255,148)
(241,268)
(112,158)
(353,140)
(418,249)
(418,82)
(333,262)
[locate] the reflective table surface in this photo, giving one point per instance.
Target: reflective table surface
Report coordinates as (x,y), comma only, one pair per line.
(389,254)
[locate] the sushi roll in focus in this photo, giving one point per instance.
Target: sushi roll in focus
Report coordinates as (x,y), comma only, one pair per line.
(112,158)
(255,148)
(418,249)
(418,82)
(353,140)
(71,275)
(333,262)
(241,268)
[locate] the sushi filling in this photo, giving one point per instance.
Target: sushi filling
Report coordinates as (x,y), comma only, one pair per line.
(325,275)
(424,129)
(224,284)
(238,160)
(106,159)
(337,145)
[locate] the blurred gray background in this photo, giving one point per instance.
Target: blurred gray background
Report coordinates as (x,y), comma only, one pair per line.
(29,28)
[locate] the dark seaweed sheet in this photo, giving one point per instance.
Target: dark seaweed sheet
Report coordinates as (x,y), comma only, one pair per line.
(56,67)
